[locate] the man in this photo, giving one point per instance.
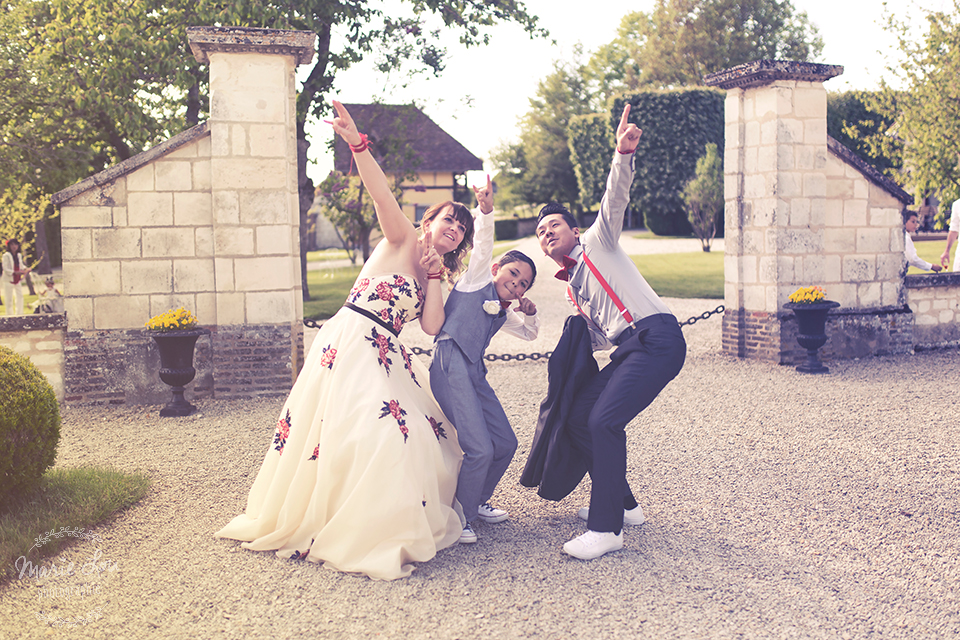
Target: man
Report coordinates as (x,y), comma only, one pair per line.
(952,234)
(911,220)
(621,310)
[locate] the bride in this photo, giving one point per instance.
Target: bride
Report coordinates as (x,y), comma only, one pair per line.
(361,470)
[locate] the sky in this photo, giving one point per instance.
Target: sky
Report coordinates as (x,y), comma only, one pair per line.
(483,91)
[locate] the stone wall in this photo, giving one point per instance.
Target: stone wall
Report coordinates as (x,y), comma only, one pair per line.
(207,220)
(39,338)
(802,210)
(935,302)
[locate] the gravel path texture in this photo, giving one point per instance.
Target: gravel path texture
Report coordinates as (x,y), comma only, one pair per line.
(779,505)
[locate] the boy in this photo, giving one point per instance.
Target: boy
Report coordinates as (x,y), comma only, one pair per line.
(476,309)
(911,221)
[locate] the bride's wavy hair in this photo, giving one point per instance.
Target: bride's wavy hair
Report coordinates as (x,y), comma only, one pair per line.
(453,260)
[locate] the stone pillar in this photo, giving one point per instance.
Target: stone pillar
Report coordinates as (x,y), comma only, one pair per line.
(775,196)
(255,202)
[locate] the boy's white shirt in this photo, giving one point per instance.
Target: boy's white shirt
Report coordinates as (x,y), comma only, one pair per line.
(478,275)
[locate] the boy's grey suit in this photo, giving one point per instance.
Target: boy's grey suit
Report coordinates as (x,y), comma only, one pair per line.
(458,381)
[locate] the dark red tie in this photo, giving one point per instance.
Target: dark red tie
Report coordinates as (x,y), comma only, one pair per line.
(568,265)
(505,305)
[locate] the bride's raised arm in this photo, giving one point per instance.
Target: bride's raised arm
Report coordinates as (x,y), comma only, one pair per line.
(397,228)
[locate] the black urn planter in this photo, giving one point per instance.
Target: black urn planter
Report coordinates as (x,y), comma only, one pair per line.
(811,331)
(176,366)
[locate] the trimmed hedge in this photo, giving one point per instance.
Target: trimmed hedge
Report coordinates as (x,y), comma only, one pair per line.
(29,426)
(591,143)
(677,125)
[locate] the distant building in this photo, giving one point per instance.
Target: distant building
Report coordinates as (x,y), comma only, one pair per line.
(403,138)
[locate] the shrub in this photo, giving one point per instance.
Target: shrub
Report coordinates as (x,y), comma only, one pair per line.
(505,229)
(29,425)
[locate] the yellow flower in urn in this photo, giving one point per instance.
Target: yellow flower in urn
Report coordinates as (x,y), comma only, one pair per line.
(172,320)
(808,295)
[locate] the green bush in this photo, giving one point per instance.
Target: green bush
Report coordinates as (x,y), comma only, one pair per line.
(29,425)
(505,229)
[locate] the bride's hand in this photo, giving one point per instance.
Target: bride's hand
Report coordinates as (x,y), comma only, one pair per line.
(344,125)
(430,260)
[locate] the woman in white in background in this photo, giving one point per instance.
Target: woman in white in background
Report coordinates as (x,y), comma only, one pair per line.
(13,272)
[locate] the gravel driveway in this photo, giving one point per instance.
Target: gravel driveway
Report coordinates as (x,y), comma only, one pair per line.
(779,505)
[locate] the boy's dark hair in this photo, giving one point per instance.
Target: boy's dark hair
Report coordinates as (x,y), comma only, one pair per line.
(518,256)
(555,207)
(907,214)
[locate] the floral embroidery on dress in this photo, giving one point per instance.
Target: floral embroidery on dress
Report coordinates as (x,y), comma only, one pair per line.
(384,347)
(402,285)
(437,428)
(357,289)
(282,432)
(327,356)
(394,409)
(406,364)
(384,293)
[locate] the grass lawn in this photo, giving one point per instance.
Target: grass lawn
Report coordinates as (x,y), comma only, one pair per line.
(929,250)
(70,498)
(684,275)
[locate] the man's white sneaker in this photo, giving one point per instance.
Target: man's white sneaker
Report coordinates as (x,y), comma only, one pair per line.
(491,515)
(594,544)
(468,536)
(630,516)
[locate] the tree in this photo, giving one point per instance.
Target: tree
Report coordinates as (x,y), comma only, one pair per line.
(852,121)
(926,105)
(116,76)
(538,168)
(703,196)
(342,201)
(681,41)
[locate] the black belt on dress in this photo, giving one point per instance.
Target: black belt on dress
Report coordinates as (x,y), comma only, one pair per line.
(372,316)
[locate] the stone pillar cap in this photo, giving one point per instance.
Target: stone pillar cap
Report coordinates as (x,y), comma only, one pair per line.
(761,72)
(206,40)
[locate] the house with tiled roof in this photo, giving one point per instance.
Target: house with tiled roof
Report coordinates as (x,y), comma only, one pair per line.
(404,139)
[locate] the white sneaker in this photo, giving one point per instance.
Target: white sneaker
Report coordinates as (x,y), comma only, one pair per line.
(490,514)
(468,536)
(594,544)
(630,516)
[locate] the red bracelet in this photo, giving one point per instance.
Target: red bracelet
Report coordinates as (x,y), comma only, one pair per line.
(363,146)
(435,276)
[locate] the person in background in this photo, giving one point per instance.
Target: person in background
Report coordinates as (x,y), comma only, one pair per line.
(50,300)
(13,273)
(952,234)
(911,221)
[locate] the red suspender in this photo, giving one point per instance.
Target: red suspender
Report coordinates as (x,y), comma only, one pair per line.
(606,287)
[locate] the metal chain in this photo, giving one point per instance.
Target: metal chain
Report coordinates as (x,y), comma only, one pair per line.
(520,357)
(702,316)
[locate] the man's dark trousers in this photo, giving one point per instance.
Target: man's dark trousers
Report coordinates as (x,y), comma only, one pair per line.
(646,359)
